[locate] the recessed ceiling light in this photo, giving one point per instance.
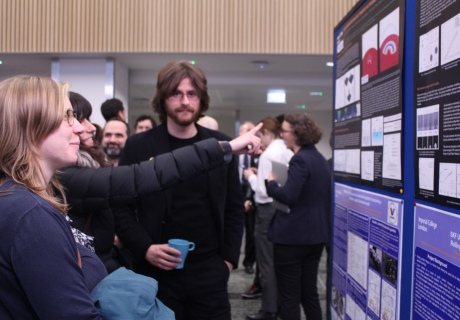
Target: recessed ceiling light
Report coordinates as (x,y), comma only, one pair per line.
(276,96)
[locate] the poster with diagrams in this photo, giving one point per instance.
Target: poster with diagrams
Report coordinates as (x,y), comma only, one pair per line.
(367,251)
(368,96)
(435,269)
(437,102)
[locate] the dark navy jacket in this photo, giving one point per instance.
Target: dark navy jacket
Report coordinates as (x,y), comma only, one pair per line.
(308,193)
(39,273)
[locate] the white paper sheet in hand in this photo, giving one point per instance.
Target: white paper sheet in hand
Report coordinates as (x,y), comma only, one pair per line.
(280,172)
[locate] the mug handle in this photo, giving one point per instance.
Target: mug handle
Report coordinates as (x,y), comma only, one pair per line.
(191,246)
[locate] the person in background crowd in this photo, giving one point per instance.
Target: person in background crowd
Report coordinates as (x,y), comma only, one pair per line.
(207,210)
(246,161)
(249,206)
(115,134)
(208,122)
(113,108)
(274,150)
(144,123)
(300,235)
(98,224)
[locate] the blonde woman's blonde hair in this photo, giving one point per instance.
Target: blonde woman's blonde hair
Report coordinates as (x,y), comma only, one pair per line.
(31,108)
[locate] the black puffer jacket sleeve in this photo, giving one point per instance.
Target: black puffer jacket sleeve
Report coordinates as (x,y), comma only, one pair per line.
(96,189)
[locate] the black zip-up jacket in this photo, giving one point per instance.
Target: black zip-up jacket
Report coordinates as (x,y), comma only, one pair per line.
(95,191)
(90,189)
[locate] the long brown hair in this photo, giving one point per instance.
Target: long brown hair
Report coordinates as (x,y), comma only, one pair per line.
(169,79)
(31,108)
(82,107)
(271,125)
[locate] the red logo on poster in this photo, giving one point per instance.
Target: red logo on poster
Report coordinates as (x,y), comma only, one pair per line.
(370,63)
(389,52)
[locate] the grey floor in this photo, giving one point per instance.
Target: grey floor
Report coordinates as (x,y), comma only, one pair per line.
(240,281)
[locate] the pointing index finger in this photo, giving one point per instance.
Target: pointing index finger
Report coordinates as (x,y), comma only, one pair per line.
(256,128)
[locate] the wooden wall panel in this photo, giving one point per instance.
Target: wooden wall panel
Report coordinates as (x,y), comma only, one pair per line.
(234,26)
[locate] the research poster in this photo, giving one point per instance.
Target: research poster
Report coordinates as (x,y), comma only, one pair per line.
(436,272)
(367,96)
(437,102)
(366,268)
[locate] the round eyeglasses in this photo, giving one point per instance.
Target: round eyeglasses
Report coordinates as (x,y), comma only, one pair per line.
(179,95)
(70,116)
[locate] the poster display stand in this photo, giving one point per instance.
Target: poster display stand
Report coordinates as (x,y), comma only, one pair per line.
(396,148)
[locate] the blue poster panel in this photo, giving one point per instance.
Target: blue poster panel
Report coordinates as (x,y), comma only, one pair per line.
(437,102)
(436,272)
(367,252)
(367,111)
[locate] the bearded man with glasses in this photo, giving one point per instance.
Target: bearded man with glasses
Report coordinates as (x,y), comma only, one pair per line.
(207,210)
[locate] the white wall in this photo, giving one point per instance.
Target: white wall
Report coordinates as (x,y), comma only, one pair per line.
(95,79)
(88,78)
(121,85)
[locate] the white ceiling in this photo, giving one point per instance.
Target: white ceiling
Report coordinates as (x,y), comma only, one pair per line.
(234,81)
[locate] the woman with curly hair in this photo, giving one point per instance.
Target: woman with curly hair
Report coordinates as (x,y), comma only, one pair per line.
(300,235)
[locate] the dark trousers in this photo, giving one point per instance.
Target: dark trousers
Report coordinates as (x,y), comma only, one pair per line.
(328,281)
(250,245)
(296,270)
(264,248)
(198,291)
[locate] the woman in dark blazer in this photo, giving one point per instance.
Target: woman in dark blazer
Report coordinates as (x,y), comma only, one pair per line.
(300,235)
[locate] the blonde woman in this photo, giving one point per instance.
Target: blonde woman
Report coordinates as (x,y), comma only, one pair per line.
(41,273)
